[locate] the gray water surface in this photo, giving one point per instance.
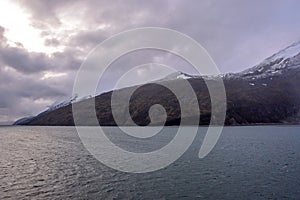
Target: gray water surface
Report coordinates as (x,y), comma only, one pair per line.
(261,162)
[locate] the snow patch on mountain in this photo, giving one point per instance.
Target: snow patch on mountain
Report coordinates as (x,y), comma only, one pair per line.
(288,52)
(181,75)
(66,102)
(275,64)
(177,75)
(272,66)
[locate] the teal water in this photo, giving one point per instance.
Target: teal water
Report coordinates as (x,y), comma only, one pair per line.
(261,162)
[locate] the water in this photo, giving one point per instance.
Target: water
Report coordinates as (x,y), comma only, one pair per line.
(247,163)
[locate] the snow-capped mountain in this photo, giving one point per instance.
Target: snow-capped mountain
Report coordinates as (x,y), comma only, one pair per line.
(284,60)
(266,93)
(66,102)
(177,75)
(62,103)
(181,75)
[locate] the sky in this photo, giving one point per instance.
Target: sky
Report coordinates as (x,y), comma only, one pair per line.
(43,43)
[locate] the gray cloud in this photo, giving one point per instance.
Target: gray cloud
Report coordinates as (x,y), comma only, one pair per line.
(87,39)
(27,62)
(23,87)
(44,12)
(2,38)
(23,95)
(52,42)
(32,62)
(23,61)
(237,34)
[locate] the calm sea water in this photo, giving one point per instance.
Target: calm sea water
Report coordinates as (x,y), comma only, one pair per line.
(247,163)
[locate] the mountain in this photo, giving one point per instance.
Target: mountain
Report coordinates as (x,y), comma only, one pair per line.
(267,93)
(24,120)
(66,102)
(177,75)
(285,60)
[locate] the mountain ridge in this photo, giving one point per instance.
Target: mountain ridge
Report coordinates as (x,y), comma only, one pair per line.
(264,94)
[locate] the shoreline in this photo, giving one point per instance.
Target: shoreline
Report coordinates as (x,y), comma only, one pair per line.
(236,125)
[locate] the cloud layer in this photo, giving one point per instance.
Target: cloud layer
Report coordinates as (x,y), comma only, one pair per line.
(237,35)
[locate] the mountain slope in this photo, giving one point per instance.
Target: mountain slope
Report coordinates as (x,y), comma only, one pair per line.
(285,60)
(266,93)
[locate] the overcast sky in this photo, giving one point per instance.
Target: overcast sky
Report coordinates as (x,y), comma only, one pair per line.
(43,43)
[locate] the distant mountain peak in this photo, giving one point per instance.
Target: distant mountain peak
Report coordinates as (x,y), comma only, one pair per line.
(177,75)
(288,52)
(285,59)
(67,101)
(273,82)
